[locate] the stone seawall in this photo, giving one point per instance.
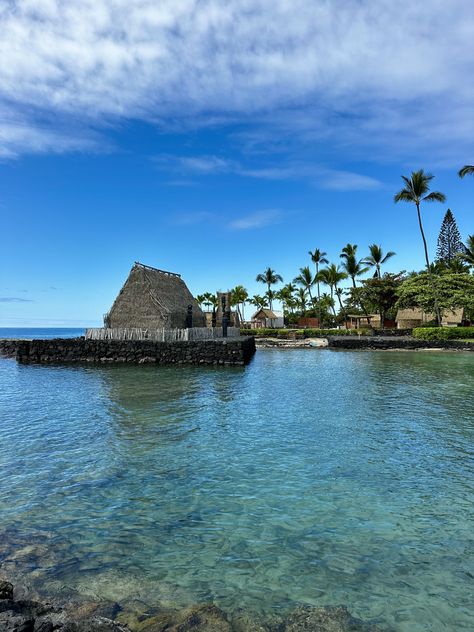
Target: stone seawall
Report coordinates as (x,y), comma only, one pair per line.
(396,342)
(8,347)
(227,352)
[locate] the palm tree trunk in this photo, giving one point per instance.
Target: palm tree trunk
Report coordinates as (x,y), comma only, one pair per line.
(319,298)
(437,310)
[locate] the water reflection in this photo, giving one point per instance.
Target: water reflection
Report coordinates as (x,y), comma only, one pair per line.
(312,477)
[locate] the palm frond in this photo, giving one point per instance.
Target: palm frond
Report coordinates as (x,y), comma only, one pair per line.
(466,170)
(435,196)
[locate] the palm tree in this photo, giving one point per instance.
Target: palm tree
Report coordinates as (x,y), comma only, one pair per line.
(269,277)
(270,295)
(376,258)
(285,295)
(349,250)
(352,267)
(332,276)
(301,299)
(466,170)
(318,257)
(416,191)
(468,254)
(239,296)
(305,279)
(258,301)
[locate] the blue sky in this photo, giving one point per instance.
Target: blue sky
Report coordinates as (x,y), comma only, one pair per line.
(216,138)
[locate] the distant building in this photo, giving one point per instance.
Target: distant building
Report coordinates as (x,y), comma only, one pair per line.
(269,318)
(153,299)
(359,321)
(415,317)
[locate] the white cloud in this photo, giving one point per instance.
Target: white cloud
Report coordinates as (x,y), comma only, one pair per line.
(259,219)
(320,176)
(347,70)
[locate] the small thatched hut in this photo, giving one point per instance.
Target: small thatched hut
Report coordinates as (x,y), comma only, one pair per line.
(416,317)
(151,299)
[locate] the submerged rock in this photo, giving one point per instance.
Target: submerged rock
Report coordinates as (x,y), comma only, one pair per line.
(6,590)
(24,615)
(204,618)
(326,619)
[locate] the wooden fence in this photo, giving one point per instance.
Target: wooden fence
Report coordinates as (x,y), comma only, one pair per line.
(160,335)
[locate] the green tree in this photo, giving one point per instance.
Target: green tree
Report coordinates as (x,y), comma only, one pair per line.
(450,245)
(466,170)
(376,258)
(352,266)
(331,276)
(269,277)
(415,191)
(300,297)
(447,290)
(258,301)
(285,295)
(305,279)
(318,257)
(379,294)
(239,296)
(468,254)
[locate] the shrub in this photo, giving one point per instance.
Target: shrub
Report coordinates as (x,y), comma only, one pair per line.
(263,332)
(443,333)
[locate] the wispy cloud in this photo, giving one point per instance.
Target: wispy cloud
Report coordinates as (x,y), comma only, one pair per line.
(298,171)
(14,299)
(347,71)
(259,219)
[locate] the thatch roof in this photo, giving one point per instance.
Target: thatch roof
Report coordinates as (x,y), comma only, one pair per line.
(455,316)
(411,313)
(152,298)
(264,312)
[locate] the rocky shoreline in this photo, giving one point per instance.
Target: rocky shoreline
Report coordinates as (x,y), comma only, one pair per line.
(19,613)
(369,343)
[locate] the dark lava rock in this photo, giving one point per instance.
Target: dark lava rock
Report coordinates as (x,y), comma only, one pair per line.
(326,619)
(6,590)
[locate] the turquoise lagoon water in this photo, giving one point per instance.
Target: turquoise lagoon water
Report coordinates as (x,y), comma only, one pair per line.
(312,477)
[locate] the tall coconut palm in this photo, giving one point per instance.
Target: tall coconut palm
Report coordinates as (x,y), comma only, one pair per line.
(318,257)
(285,295)
(349,250)
(306,279)
(416,191)
(332,276)
(300,298)
(239,296)
(377,258)
(351,265)
(269,277)
(466,170)
(258,301)
(270,296)
(468,254)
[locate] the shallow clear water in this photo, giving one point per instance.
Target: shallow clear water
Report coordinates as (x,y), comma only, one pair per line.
(310,476)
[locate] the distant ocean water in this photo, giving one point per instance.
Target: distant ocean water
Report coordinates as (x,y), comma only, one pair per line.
(41,332)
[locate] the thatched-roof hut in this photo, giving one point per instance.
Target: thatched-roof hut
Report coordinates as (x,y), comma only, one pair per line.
(416,317)
(151,299)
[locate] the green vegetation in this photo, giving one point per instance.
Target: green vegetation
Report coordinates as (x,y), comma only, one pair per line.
(444,333)
(447,290)
(266,332)
(442,286)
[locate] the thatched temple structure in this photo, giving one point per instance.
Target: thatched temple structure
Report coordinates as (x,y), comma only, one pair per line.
(153,299)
